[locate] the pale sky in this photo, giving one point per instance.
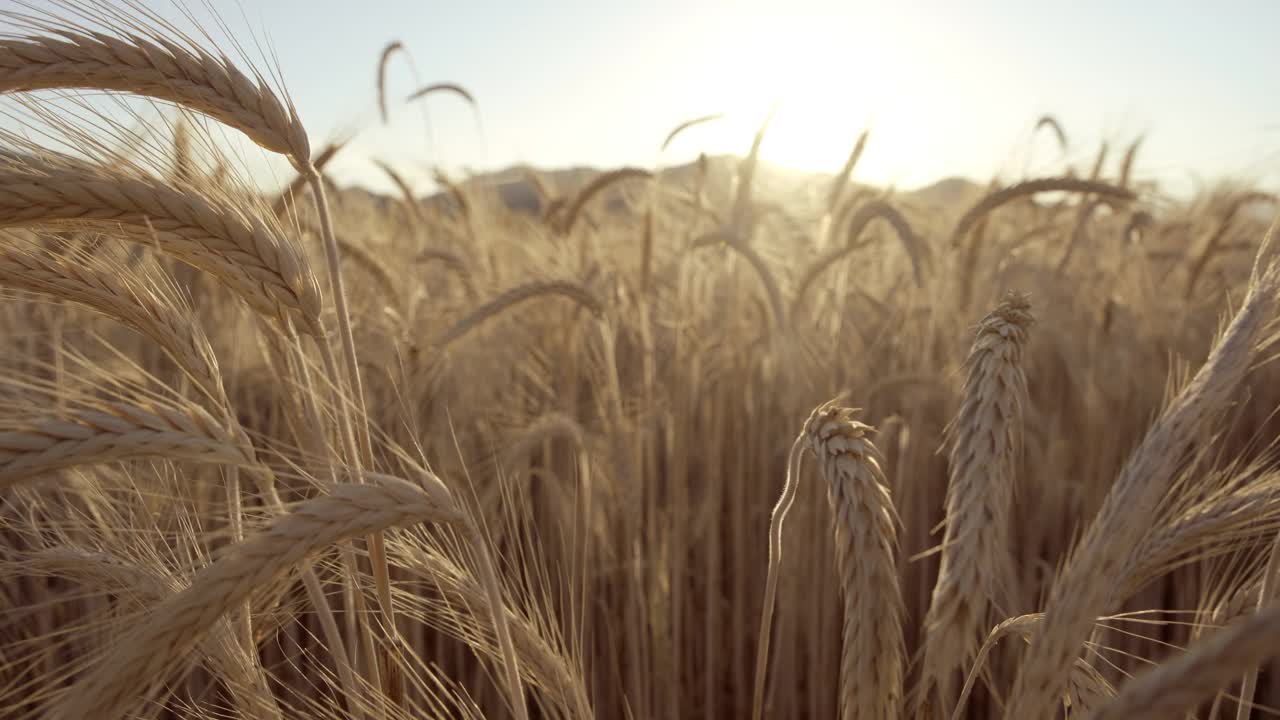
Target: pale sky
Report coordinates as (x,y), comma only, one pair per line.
(948,88)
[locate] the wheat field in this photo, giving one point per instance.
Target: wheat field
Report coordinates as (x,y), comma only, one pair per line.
(707,441)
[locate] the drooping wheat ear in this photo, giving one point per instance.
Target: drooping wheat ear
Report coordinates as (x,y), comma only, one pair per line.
(118,294)
(1177,686)
(519,294)
(391,49)
(993,200)
(150,652)
(976,579)
(452,88)
(675,132)
(1088,584)
(110,431)
(916,249)
(597,185)
(842,180)
(1052,123)
(159,67)
(866,543)
(777,310)
(251,254)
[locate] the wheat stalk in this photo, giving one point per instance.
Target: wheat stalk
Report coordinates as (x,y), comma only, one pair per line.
(779,515)
(976,576)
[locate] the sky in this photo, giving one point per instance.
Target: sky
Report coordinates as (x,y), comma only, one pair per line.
(946,88)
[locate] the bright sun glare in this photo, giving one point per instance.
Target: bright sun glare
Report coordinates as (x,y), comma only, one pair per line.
(828,90)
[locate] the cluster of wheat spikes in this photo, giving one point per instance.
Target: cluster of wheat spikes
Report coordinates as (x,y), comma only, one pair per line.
(517,458)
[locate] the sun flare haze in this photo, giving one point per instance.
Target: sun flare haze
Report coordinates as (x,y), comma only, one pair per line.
(391,360)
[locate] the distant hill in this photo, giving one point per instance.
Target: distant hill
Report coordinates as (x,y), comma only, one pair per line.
(799,191)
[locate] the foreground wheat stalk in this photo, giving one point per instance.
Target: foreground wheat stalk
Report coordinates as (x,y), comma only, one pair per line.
(1088,584)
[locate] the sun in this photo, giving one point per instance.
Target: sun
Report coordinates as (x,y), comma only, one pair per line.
(826,91)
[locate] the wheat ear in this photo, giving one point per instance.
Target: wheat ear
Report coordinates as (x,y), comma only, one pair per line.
(1091,579)
(111,431)
(976,576)
(249,253)
(516,296)
(158,67)
(147,655)
(866,543)
(993,200)
(120,296)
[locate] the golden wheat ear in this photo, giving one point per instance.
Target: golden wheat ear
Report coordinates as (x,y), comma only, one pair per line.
(872,656)
(976,578)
